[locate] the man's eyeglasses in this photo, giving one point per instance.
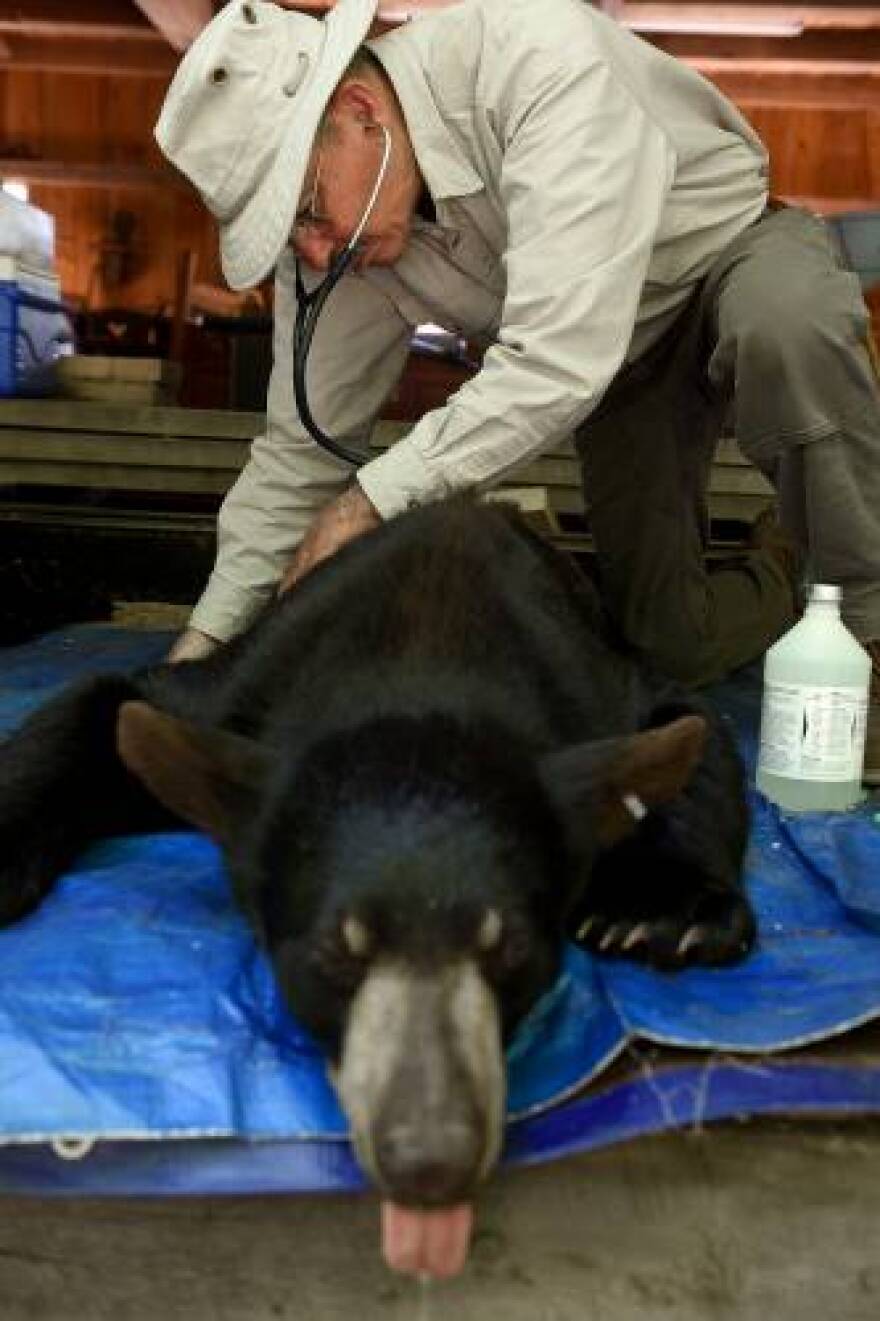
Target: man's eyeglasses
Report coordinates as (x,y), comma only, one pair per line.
(310,218)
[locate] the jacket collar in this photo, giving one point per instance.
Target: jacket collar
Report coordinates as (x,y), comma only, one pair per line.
(445,169)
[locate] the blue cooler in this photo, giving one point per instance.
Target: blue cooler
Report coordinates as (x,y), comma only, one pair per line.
(35,330)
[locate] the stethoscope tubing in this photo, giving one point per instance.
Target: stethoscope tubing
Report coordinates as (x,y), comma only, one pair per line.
(308,309)
(309,305)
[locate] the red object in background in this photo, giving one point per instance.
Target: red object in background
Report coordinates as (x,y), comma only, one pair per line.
(872,298)
(206,358)
(226,364)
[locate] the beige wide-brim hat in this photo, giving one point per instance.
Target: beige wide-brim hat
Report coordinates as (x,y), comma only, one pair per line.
(241,115)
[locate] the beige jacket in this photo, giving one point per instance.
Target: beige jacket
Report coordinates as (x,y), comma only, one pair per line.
(583,182)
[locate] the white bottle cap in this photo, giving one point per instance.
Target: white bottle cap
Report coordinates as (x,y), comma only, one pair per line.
(825,592)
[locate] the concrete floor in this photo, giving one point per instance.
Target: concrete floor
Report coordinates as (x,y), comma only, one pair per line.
(754,1222)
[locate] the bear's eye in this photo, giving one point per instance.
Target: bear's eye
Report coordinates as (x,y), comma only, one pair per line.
(491,932)
(341,954)
(356,937)
(509,951)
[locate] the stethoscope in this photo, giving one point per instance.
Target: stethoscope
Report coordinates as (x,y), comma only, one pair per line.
(308,310)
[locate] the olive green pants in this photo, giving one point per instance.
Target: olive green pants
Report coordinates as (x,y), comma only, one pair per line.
(772,347)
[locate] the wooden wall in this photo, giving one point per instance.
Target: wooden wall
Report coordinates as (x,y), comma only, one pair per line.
(826,156)
(105,122)
(821,123)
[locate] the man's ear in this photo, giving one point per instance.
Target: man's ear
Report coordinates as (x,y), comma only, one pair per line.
(357,100)
(599,787)
(208,777)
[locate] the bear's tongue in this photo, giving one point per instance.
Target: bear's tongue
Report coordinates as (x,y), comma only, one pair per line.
(433,1243)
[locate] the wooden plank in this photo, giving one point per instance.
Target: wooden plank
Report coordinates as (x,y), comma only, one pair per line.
(105,19)
(648,16)
(547,504)
(739,481)
(105,517)
(91,174)
(737,508)
(535,503)
(122,392)
(831,206)
(83,448)
(101,367)
(73,415)
(186,451)
(98,55)
(67,415)
(728,451)
(806,147)
(90,476)
(814,84)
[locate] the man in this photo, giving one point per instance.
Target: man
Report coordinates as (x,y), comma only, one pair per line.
(596,214)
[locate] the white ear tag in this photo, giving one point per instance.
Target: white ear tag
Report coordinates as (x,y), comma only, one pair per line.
(635,806)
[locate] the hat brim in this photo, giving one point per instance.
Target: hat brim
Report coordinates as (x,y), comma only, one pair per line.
(252,242)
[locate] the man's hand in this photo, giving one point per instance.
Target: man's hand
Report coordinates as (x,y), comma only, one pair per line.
(191,645)
(350,515)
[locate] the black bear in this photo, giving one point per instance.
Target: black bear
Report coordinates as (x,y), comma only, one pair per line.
(427,765)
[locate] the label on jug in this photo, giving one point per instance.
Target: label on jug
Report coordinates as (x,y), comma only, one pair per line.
(812,732)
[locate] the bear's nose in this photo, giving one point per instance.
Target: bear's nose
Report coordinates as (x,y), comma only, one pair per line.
(437,1165)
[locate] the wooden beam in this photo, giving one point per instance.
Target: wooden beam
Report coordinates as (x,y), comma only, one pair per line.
(647,16)
(95,25)
(87,15)
(810,48)
(58,32)
(795,84)
(79,174)
(179,21)
(97,56)
(832,206)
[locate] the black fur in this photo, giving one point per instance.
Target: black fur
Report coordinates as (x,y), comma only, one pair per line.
(408,699)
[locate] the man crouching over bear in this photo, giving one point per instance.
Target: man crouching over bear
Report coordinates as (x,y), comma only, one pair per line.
(427,765)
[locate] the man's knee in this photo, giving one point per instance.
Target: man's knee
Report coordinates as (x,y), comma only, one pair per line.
(676,644)
(686,659)
(804,328)
(794,372)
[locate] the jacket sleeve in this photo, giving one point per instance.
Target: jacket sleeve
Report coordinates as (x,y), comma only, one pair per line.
(584,179)
(357,355)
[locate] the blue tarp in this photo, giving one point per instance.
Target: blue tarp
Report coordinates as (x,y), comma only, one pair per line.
(135,1005)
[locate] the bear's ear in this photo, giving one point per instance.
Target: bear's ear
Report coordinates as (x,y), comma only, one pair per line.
(601,789)
(208,777)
